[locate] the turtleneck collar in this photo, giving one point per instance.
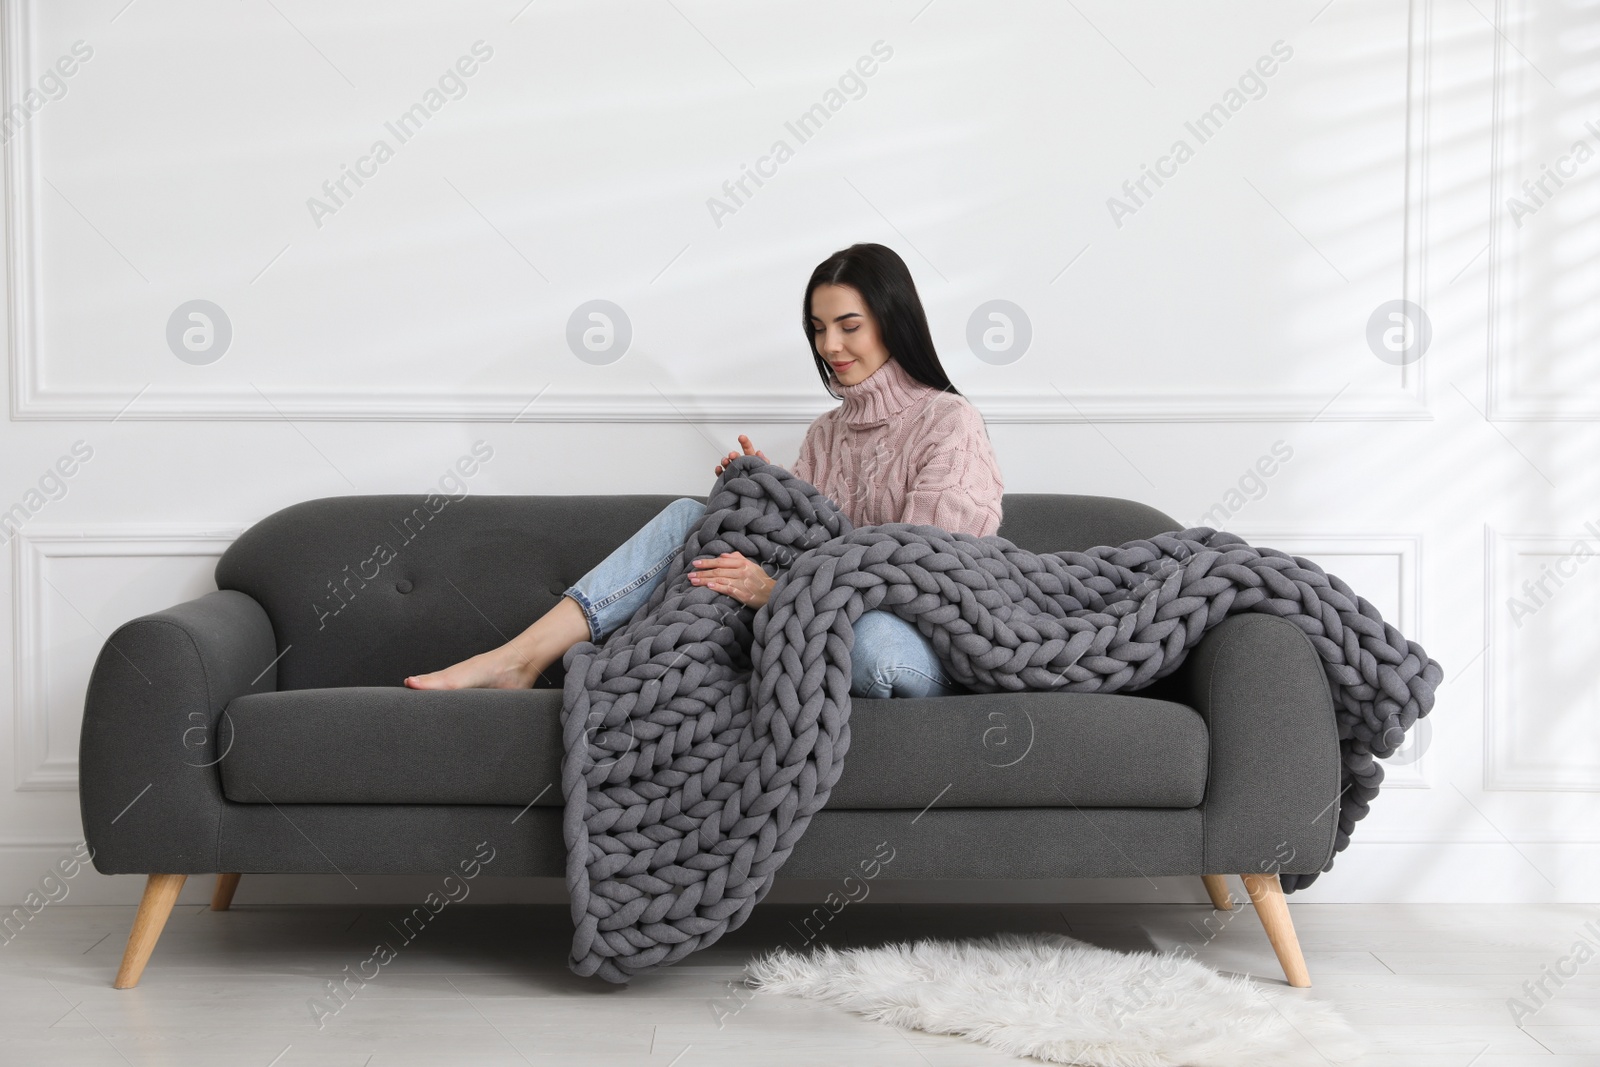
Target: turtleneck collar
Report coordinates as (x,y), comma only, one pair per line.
(882,393)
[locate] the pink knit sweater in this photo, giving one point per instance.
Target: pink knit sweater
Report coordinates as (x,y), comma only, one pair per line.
(899,451)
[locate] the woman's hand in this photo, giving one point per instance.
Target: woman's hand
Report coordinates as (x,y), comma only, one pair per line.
(736,575)
(749,450)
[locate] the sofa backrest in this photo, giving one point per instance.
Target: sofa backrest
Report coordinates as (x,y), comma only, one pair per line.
(364,590)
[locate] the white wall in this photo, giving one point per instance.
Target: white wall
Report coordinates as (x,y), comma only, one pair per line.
(1174,340)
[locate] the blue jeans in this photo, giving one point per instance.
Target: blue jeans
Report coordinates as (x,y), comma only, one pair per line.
(891,657)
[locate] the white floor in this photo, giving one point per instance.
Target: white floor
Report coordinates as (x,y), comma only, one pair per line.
(488,985)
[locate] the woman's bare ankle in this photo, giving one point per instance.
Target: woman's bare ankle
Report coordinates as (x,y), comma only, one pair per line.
(501,668)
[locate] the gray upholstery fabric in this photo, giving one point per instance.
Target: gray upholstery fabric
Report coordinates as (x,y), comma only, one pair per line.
(387,745)
(973,843)
(1274,791)
(1063,522)
(350,840)
(704,735)
(967,843)
(943,843)
(147,785)
(453,577)
(464,575)
(481,568)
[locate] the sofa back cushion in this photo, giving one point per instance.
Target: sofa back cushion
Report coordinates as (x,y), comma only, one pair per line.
(364,590)
(1063,522)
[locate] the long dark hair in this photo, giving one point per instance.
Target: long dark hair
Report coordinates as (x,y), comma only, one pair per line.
(880,276)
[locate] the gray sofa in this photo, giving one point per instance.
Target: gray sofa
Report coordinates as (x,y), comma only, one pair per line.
(265,728)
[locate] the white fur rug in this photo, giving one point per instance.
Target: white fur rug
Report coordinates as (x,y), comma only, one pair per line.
(1062,1001)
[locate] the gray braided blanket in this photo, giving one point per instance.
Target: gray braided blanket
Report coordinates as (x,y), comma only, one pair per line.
(703,735)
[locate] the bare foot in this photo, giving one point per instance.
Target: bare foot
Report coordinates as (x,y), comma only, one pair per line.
(499,668)
(518,663)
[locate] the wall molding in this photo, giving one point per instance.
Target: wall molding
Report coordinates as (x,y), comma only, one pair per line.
(771,407)
(22,261)
(1502,770)
(33,400)
(1505,403)
(1418,159)
(31,550)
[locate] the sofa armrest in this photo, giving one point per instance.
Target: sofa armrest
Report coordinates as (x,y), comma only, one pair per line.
(148,787)
(1272,788)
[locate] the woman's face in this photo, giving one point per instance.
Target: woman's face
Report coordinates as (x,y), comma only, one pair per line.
(845,333)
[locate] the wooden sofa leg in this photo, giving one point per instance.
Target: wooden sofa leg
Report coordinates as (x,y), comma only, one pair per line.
(222,896)
(160,893)
(1266,892)
(1217,888)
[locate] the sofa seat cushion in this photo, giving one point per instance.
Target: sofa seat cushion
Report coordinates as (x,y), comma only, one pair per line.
(393,745)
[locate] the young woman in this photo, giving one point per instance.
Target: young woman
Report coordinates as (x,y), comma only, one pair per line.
(903,446)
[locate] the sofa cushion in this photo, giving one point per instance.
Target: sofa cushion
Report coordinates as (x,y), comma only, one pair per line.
(393,745)
(368,589)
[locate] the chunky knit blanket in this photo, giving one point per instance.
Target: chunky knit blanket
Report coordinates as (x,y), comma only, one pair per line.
(703,735)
